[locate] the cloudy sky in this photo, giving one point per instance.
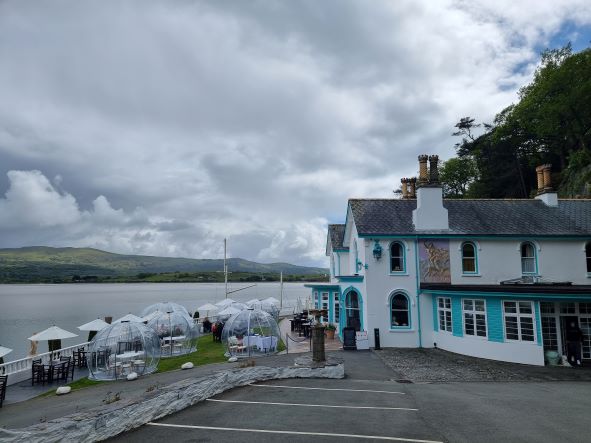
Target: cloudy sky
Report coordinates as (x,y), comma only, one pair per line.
(159,127)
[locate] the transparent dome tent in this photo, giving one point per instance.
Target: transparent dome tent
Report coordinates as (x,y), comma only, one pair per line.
(122,348)
(165,307)
(177,334)
(251,333)
(268,307)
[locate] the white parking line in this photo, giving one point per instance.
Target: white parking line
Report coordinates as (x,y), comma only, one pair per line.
(320,434)
(328,389)
(309,406)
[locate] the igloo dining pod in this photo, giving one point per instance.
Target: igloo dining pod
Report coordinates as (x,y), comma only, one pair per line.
(123,348)
(251,333)
(177,333)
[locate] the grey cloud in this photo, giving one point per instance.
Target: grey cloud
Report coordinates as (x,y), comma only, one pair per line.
(175,124)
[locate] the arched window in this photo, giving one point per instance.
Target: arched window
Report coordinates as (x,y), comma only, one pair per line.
(528,258)
(397,262)
(399,311)
(469,265)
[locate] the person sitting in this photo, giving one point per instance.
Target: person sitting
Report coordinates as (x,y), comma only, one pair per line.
(196,315)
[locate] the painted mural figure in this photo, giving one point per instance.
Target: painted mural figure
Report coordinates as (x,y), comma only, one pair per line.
(434,261)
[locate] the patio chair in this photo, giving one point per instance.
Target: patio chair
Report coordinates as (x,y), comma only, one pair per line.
(3,384)
(38,373)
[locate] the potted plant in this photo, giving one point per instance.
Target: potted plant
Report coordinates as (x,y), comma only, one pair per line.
(330,330)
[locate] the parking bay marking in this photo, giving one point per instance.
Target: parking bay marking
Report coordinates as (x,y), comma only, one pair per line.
(327,389)
(319,434)
(310,405)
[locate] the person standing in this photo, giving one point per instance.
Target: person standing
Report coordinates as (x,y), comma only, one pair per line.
(574,339)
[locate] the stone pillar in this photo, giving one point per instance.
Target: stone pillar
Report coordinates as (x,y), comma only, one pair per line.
(404,182)
(433,169)
(423,171)
(412,192)
(547,171)
(318,354)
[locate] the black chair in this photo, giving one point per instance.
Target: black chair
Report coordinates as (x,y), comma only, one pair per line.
(81,360)
(38,373)
(3,383)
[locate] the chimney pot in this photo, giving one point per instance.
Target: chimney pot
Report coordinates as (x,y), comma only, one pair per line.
(434,169)
(404,182)
(423,171)
(412,192)
(547,172)
(540,177)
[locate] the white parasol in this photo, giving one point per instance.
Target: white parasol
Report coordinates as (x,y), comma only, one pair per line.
(95,325)
(230,310)
(52,333)
(208,307)
(130,318)
(4,351)
(225,302)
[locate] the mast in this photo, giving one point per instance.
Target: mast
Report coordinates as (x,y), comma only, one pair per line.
(281,293)
(225,270)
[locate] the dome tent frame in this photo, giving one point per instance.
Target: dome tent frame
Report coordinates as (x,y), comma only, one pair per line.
(251,333)
(176,333)
(122,348)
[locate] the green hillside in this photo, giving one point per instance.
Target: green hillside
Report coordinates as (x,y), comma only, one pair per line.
(41,264)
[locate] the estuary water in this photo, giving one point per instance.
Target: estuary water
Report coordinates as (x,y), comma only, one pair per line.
(28,309)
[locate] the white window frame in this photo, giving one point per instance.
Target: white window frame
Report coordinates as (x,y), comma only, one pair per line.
(337,308)
(325,303)
(534,257)
(473,312)
(519,316)
(445,309)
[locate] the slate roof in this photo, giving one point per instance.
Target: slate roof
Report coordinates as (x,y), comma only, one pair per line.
(477,217)
(336,235)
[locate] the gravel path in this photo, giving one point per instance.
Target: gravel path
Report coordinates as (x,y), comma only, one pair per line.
(436,365)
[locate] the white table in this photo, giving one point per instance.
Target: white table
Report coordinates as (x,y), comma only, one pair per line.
(263,343)
(174,338)
(126,356)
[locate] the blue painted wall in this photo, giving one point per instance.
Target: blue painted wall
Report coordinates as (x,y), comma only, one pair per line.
(435,316)
(494,319)
(456,317)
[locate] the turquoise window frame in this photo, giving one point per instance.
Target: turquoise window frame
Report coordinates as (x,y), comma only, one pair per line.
(408,304)
(535,249)
(476,268)
(403,249)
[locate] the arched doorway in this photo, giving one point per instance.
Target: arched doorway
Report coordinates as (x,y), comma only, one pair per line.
(353,310)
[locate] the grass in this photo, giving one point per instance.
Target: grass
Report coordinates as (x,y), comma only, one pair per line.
(207,352)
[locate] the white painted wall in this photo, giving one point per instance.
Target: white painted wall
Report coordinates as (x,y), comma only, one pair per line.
(430,213)
(500,259)
(515,352)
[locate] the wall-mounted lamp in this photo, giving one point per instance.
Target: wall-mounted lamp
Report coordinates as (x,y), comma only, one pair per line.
(377,251)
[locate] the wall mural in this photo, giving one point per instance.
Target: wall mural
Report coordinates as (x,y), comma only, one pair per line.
(434,261)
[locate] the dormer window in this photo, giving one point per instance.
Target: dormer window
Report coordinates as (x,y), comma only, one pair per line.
(397,261)
(528,258)
(469,258)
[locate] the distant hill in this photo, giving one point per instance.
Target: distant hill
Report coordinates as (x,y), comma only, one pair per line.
(38,263)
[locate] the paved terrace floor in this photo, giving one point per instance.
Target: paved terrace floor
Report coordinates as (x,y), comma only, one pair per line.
(369,405)
(297,344)
(436,365)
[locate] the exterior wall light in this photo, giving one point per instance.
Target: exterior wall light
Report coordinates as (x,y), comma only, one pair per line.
(377,251)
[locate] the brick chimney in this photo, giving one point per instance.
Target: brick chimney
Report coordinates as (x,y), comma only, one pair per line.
(545,191)
(430,215)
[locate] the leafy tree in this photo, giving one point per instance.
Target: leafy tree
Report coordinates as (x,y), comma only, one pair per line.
(456,175)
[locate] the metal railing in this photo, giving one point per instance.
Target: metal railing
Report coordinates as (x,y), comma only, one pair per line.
(298,340)
(19,370)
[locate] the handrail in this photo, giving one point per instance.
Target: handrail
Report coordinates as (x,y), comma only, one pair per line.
(289,337)
(25,364)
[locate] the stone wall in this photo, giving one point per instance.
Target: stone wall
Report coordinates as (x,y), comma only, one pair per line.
(107,421)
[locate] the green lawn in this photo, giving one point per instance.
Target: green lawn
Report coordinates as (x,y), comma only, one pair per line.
(207,352)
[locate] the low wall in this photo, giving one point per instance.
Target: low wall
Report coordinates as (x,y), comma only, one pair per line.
(110,420)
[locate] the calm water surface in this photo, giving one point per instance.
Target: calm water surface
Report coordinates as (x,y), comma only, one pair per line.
(28,309)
